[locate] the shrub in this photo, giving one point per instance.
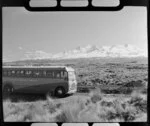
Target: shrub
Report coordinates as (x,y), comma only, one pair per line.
(95,95)
(139,101)
(70,111)
(94,107)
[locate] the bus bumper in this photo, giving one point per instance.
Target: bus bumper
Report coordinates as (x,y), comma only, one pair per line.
(72,91)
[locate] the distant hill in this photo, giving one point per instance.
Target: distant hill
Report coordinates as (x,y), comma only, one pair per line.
(71,62)
(90,51)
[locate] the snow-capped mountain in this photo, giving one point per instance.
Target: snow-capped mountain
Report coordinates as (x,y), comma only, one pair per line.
(90,51)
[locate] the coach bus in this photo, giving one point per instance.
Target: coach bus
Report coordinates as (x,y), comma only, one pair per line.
(57,80)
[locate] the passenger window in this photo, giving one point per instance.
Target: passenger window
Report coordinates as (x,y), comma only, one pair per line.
(57,75)
(9,73)
(28,72)
(62,74)
(13,72)
(22,72)
(35,73)
(40,74)
(53,74)
(49,74)
(17,72)
(44,74)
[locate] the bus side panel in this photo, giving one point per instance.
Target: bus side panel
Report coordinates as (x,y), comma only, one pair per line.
(35,85)
(42,88)
(16,82)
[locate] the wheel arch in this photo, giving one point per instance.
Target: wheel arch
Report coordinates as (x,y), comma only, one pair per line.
(7,83)
(60,86)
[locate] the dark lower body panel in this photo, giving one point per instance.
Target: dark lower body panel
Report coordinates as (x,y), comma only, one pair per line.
(41,88)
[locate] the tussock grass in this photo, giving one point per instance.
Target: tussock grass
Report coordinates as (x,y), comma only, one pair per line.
(94,107)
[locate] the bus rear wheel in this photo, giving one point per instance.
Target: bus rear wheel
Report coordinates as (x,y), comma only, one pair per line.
(59,92)
(7,90)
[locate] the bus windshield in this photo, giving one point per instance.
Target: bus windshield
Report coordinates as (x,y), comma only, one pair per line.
(71,75)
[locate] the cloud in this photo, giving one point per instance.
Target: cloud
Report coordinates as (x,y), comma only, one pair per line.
(37,55)
(90,51)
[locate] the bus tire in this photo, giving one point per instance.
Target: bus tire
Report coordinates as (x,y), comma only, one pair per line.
(8,89)
(59,92)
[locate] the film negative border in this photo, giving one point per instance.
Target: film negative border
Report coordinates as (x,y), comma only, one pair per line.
(123,3)
(25,3)
(88,124)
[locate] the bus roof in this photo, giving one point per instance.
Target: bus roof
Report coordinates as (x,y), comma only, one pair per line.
(40,67)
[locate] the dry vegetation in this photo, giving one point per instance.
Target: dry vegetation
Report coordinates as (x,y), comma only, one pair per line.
(120,94)
(94,107)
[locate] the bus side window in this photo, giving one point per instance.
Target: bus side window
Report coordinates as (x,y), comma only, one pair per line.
(22,72)
(40,73)
(44,74)
(53,74)
(9,73)
(57,74)
(49,74)
(17,72)
(62,74)
(28,73)
(34,73)
(13,72)
(37,73)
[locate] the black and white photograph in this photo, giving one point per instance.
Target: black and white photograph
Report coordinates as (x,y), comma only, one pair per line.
(72,66)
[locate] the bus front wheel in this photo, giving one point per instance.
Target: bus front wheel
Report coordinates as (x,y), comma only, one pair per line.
(59,92)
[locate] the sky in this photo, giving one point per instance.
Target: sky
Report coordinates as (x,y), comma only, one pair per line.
(54,32)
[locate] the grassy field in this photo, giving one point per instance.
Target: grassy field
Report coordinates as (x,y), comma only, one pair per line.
(120,94)
(92,107)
